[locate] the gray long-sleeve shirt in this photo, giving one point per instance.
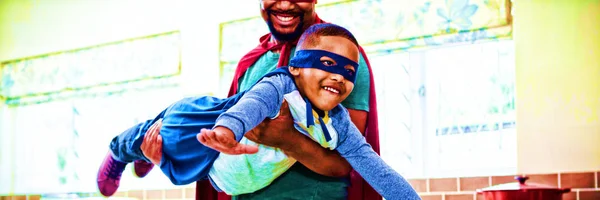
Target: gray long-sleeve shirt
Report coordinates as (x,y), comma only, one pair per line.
(264,101)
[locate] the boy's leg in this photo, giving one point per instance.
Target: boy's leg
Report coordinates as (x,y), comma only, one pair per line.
(185,159)
(124,148)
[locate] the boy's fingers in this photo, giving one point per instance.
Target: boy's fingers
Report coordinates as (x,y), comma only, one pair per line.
(200,138)
(224,144)
(248,149)
(210,136)
(243,149)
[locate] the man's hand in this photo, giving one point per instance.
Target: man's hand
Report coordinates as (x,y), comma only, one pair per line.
(278,132)
(223,140)
(152,143)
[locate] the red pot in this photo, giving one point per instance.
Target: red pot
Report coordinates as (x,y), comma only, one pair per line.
(522,191)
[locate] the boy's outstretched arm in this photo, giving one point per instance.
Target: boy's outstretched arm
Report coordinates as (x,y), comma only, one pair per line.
(385,180)
(223,140)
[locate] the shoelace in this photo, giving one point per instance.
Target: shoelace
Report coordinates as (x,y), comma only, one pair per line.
(114,170)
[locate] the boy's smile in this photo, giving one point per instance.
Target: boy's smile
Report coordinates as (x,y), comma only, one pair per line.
(332,89)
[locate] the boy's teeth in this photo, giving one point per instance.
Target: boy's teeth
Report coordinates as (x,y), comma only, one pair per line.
(331,90)
(285,19)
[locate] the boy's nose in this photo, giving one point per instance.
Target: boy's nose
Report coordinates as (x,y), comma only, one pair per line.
(337,77)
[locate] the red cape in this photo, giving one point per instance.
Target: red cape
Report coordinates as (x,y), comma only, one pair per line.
(359,189)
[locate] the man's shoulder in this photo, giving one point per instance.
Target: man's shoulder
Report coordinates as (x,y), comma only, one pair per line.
(359,97)
(265,64)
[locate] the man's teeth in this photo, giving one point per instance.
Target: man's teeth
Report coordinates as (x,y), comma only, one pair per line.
(331,90)
(285,19)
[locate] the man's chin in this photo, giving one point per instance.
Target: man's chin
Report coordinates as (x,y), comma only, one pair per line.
(285,35)
(284,31)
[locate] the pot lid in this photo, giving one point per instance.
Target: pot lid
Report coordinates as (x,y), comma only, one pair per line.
(521,185)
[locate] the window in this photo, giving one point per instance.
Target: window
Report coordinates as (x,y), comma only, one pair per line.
(61,143)
(63,110)
(448,111)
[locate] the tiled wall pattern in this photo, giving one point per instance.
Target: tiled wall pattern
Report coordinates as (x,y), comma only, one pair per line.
(584,186)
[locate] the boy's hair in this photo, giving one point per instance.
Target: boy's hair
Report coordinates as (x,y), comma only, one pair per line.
(310,37)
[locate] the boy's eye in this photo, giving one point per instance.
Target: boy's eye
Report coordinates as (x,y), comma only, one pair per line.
(350,71)
(327,63)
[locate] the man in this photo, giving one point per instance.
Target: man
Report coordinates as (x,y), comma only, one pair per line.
(316,175)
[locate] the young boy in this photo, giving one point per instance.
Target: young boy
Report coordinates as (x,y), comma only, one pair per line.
(321,75)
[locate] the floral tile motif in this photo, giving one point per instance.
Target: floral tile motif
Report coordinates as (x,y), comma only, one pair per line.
(114,63)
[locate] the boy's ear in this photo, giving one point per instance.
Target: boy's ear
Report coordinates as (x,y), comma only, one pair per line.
(294,71)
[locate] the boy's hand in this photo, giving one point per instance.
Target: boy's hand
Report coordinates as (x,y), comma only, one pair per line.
(223,140)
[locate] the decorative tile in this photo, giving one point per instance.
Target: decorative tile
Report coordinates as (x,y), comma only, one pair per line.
(431,197)
(497,180)
(420,185)
(174,193)
(545,179)
(139,194)
(459,197)
(379,22)
(598,179)
(589,195)
(137,59)
(570,196)
(479,197)
(190,192)
(474,183)
(443,185)
(154,194)
(577,180)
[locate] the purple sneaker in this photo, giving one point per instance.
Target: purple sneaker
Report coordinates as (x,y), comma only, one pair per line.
(142,168)
(109,175)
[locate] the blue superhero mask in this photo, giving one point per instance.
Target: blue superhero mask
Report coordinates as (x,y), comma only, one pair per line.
(312,59)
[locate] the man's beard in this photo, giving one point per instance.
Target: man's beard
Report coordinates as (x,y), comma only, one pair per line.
(285,37)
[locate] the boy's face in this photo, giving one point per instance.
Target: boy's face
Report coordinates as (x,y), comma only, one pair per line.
(323,89)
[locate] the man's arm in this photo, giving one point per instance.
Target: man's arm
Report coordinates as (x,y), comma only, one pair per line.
(317,158)
(279,132)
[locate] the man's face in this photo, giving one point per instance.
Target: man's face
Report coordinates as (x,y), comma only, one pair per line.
(287,19)
(323,89)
